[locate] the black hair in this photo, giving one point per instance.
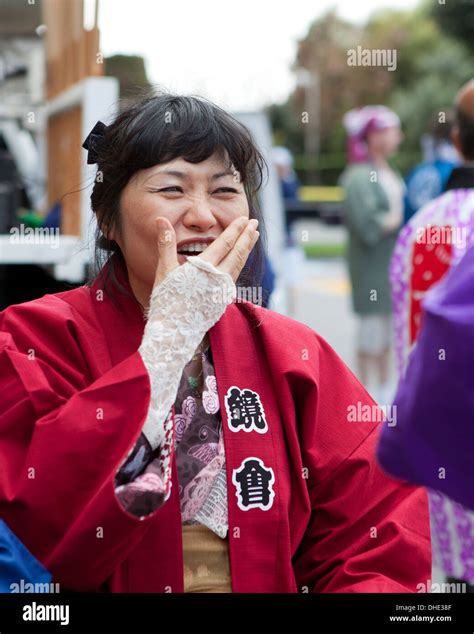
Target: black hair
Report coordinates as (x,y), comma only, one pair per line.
(441,130)
(162,127)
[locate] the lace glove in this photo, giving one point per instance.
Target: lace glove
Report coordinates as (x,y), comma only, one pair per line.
(189,301)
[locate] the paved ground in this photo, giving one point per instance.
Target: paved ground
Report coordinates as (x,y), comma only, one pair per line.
(323,302)
(323,290)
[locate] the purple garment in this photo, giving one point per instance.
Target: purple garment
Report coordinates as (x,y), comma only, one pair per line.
(435,399)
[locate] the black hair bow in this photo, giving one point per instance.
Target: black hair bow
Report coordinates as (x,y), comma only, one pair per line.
(93,142)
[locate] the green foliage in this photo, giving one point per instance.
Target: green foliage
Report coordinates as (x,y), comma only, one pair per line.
(435,57)
(456,19)
(285,125)
(324,250)
(439,77)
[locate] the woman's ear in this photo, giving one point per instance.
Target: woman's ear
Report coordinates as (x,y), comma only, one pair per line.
(113,235)
(107,232)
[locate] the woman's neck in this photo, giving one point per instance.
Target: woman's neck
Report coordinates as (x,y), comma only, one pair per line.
(379,160)
(140,290)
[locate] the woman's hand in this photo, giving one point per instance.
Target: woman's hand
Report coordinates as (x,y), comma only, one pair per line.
(178,320)
(228,252)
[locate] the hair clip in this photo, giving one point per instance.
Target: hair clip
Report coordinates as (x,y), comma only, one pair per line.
(93,141)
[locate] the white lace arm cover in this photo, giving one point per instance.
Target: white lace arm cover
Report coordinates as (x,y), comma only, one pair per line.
(189,301)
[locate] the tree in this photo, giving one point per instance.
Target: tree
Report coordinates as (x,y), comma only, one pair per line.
(430,68)
(455,18)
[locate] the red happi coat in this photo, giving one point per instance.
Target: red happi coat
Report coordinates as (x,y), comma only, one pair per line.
(74,397)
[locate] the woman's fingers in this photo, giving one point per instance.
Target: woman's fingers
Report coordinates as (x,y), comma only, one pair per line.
(167,253)
(221,246)
(228,252)
(235,261)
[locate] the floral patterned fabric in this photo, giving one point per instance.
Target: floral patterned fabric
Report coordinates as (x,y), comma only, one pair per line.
(200,455)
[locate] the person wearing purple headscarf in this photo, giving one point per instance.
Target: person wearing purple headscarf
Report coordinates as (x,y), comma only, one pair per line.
(373,210)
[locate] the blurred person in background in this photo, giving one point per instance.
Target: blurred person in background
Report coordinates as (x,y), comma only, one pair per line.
(428,179)
(434,241)
(373,214)
(289,183)
(294,254)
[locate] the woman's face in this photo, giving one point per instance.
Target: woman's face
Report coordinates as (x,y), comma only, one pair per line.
(386,141)
(199,199)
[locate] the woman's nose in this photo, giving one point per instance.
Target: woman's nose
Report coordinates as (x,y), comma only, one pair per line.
(200,214)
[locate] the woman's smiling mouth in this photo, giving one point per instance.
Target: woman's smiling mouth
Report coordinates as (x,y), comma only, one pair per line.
(193,246)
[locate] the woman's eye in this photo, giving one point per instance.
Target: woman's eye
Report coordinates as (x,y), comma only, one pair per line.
(175,188)
(226,190)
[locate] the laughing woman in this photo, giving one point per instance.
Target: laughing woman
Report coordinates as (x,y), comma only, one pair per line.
(158,432)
